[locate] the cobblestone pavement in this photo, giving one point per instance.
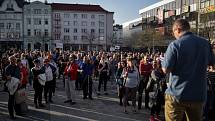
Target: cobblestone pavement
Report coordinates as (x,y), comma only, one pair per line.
(101,108)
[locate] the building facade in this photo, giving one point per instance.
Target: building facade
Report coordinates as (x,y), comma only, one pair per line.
(199,13)
(37,26)
(11,24)
(81,27)
(117,35)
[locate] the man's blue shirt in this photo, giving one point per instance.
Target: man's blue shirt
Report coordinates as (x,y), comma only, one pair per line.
(188,58)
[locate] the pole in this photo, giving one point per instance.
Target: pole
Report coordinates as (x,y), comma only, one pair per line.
(199,17)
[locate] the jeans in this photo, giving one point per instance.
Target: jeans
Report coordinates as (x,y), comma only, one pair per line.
(70,89)
(11,104)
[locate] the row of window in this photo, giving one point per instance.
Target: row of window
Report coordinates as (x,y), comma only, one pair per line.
(75,23)
(10,35)
(37,21)
(38,32)
(37,11)
(67,37)
(76,16)
(75,30)
(177,4)
(16,26)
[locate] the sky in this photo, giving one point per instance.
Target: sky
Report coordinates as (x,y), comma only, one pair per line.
(124,10)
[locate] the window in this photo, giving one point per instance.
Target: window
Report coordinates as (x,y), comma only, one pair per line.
(66,23)
(46,11)
(84,16)
(101,38)
(92,30)
(75,23)
(37,11)
(75,30)
(57,36)
(101,24)
(66,15)
(66,30)
(84,30)
(37,32)
(57,15)
(29,32)
(84,23)
(46,32)
(101,17)
(1,25)
(92,16)
(46,21)
(17,26)
(37,21)
(101,30)
(76,16)
(92,23)
(9,25)
(29,21)
(9,6)
(75,37)
(66,37)
(83,37)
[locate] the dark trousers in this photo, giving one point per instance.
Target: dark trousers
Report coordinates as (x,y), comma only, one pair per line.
(130,94)
(156,104)
(102,79)
(87,86)
(78,82)
(54,83)
(142,86)
(48,89)
(11,104)
(38,94)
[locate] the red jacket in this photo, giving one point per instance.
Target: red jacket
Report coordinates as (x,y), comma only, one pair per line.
(72,72)
(145,68)
(24,73)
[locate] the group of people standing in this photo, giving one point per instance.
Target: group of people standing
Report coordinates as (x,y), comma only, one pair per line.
(185,63)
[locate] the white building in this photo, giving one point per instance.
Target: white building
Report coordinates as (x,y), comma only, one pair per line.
(37,26)
(131,27)
(118,35)
(79,26)
(11,27)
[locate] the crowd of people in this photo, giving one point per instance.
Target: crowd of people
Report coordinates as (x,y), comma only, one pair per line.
(134,72)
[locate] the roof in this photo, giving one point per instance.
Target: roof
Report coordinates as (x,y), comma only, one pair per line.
(78,7)
(156,5)
(130,22)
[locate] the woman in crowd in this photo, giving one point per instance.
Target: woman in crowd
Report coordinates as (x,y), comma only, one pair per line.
(131,78)
(38,88)
(158,82)
(24,73)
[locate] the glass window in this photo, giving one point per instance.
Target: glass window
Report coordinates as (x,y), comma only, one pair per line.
(37,32)
(75,37)
(66,15)
(101,24)
(75,23)
(46,21)
(101,17)
(84,30)
(66,30)
(75,30)
(92,30)
(37,21)
(66,37)
(17,26)
(84,23)
(9,25)
(29,32)
(46,32)
(92,16)
(29,21)
(83,37)
(37,11)
(46,11)
(1,25)
(84,16)
(92,23)
(66,23)
(75,16)
(101,30)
